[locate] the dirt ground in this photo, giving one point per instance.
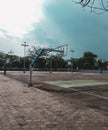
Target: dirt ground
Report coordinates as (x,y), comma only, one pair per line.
(57,108)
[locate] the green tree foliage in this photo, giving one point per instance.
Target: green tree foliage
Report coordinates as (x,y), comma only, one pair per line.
(50,62)
(55,62)
(87,61)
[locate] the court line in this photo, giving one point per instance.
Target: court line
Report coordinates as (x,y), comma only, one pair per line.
(90,94)
(81,91)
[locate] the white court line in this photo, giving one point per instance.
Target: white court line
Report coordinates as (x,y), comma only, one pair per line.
(90,94)
(81,91)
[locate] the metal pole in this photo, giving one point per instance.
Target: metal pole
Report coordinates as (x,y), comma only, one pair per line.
(10,52)
(24,45)
(101,67)
(31,71)
(24,56)
(72,51)
(51,61)
(46,63)
(50,64)
(41,52)
(5,66)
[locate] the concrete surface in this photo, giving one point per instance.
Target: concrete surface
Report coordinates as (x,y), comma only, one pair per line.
(24,108)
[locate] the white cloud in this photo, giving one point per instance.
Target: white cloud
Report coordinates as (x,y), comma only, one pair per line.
(16,20)
(17,16)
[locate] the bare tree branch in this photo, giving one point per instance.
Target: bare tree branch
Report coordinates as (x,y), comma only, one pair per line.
(96,6)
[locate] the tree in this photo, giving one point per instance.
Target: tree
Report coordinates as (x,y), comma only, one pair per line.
(96,6)
(87,61)
(53,61)
(105,65)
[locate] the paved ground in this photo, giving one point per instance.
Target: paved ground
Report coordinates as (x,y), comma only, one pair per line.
(29,108)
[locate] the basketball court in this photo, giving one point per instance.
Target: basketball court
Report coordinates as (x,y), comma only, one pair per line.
(76,83)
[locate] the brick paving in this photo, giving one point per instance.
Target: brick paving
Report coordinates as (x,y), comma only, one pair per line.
(28,108)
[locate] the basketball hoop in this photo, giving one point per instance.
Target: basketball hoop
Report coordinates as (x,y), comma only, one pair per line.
(61,50)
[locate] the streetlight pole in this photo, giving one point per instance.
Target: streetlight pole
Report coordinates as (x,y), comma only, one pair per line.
(24,45)
(72,51)
(10,53)
(51,61)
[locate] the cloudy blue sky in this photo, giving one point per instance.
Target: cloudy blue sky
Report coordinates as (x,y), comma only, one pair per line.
(52,23)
